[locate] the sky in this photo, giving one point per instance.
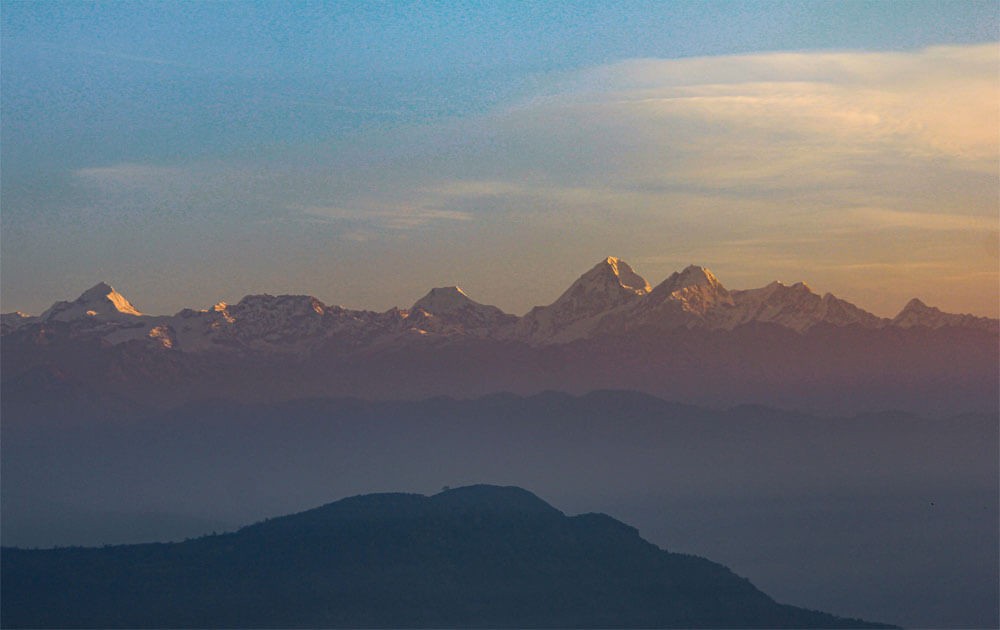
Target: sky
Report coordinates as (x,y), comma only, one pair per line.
(191,152)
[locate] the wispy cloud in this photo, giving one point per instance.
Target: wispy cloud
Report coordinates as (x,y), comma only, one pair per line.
(884,218)
(400,218)
(475,188)
(939,100)
(103,53)
(778,122)
(126,175)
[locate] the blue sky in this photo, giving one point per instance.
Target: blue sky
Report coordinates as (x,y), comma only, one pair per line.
(364,152)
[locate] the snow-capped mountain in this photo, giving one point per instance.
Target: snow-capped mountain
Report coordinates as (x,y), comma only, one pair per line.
(100,302)
(688,298)
(287,324)
(610,299)
(695,298)
(689,338)
(918,314)
(796,307)
(694,290)
(443,300)
(609,286)
(448,310)
(290,324)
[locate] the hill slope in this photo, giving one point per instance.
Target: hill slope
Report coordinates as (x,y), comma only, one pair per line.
(479,556)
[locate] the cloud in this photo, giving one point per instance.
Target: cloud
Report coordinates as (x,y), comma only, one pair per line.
(396,219)
(883,218)
(764,122)
(475,189)
(793,141)
(938,101)
(126,175)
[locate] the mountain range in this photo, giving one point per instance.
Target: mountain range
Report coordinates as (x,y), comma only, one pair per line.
(688,338)
(611,297)
(479,556)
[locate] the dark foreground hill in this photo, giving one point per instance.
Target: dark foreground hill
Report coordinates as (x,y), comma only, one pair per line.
(480,556)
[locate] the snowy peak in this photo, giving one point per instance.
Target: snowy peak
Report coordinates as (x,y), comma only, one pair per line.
(796,307)
(448,310)
(692,280)
(918,314)
(96,292)
(444,300)
(614,272)
(774,295)
(691,276)
(270,318)
(799,288)
(103,293)
(99,301)
(294,324)
(694,290)
(288,304)
(916,308)
(608,285)
(626,276)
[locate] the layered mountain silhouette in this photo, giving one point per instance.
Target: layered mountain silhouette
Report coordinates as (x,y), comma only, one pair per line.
(888,516)
(479,556)
(687,338)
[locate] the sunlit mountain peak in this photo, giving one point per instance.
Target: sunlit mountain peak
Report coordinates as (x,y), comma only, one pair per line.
(100,300)
(443,300)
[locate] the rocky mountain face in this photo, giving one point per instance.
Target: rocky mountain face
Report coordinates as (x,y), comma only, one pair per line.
(687,337)
(474,557)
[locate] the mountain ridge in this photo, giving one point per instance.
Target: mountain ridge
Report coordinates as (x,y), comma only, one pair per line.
(689,339)
(610,297)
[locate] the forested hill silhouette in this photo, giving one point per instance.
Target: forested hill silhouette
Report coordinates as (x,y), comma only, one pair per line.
(479,556)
